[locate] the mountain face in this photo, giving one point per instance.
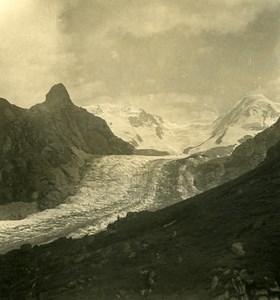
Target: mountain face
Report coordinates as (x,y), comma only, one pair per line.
(204,172)
(250,116)
(222,244)
(44,150)
(9,112)
(144,130)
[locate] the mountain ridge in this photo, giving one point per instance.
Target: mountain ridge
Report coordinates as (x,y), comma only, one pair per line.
(248,117)
(44,150)
(206,171)
(145,130)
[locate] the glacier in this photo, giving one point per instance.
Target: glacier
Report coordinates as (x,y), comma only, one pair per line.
(112,186)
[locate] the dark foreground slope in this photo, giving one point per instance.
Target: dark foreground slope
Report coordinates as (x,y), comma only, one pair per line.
(43,150)
(224,242)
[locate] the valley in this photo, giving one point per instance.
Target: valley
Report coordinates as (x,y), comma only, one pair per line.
(83,202)
(112,186)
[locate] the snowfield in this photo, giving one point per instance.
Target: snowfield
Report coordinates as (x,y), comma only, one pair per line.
(113,186)
(144,130)
(248,117)
(148,131)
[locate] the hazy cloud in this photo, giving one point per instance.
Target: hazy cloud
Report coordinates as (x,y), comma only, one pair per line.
(212,51)
(271,89)
(147,17)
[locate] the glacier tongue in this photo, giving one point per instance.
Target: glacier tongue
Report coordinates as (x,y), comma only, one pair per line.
(113,186)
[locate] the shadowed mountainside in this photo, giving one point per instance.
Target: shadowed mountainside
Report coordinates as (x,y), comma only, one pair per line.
(44,150)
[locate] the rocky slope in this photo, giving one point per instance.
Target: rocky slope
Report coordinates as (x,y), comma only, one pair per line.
(204,171)
(9,112)
(250,116)
(43,150)
(222,244)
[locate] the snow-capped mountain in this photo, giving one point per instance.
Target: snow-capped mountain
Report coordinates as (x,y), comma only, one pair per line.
(250,116)
(148,131)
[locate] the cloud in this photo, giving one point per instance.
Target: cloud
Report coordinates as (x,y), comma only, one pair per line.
(175,107)
(272,89)
(85,92)
(32,52)
(155,17)
(107,48)
(28,49)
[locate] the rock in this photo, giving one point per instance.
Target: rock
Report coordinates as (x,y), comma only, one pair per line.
(144,272)
(80,258)
(26,247)
(151,280)
(246,277)
(132,255)
(274,287)
(215,282)
(144,292)
(72,285)
(226,295)
(261,292)
(179,259)
(237,248)
(239,287)
(169,224)
(125,248)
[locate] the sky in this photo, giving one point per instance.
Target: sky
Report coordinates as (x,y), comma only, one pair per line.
(176,58)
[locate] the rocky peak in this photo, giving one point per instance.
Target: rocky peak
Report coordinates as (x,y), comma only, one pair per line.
(253,98)
(58,95)
(4,103)
(255,112)
(9,111)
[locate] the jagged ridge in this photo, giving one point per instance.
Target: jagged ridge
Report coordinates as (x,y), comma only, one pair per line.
(44,149)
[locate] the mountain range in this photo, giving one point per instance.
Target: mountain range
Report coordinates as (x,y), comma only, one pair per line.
(221,244)
(145,130)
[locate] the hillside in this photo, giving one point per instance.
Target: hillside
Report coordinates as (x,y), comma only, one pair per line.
(222,244)
(44,150)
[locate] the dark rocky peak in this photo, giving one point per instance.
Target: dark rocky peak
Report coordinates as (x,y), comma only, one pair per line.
(147,118)
(4,103)
(9,112)
(58,95)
